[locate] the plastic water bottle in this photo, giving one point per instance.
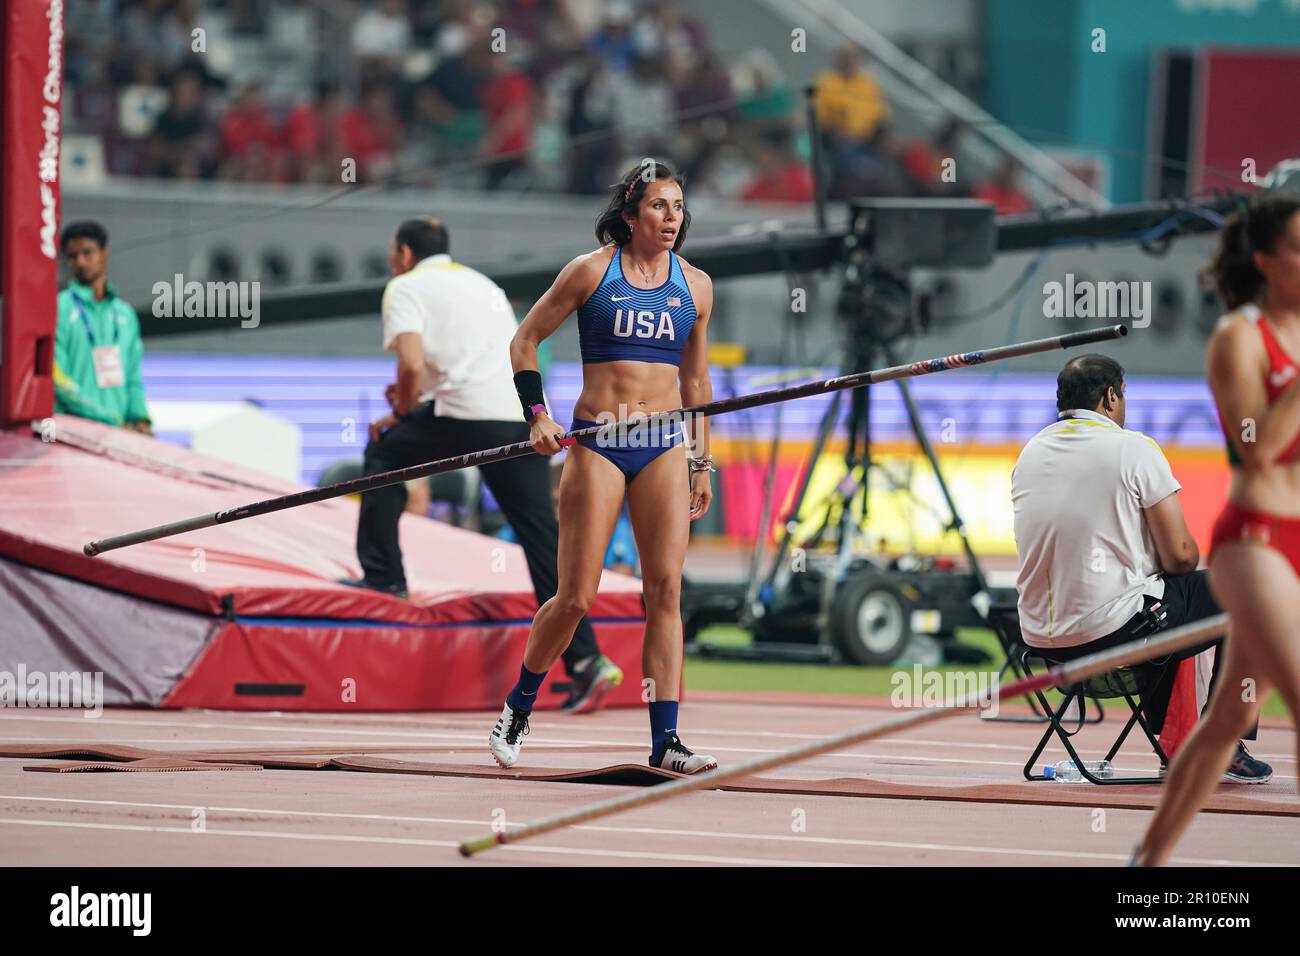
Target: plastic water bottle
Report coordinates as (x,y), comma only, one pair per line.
(1066,772)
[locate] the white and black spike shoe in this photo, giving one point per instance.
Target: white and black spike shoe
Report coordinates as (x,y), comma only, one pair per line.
(674,755)
(507,736)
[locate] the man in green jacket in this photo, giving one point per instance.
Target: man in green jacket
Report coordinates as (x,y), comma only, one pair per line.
(97,347)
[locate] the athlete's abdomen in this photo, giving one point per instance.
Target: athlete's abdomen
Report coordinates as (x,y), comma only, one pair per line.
(624,389)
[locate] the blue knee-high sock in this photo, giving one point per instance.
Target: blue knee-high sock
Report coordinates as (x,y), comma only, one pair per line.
(663,721)
(524,694)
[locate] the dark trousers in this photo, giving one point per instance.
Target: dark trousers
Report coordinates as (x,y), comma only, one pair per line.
(1187,599)
(522,486)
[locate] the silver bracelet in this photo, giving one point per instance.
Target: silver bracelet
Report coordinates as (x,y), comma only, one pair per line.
(701,464)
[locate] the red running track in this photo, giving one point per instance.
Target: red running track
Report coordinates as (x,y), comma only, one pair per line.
(331,817)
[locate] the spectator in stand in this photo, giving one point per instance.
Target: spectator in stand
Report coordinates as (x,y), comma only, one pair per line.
(459,74)
(463,50)
(675,41)
(426,117)
(591,124)
(584,17)
(509,99)
(763,97)
(707,107)
(247,17)
(875,169)
(313,137)
(180,146)
(851,112)
(160,29)
(549,33)
(613,41)
(781,176)
(923,162)
(644,110)
(372,133)
(249,145)
(95,102)
(1004,191)
(133,80)
(848,100)
(526,20)
(90,37)
(381,36)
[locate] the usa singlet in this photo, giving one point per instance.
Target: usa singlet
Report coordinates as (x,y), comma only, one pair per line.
(622,323)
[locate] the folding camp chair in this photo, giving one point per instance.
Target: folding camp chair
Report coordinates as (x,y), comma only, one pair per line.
(1119,684)
(1004,620)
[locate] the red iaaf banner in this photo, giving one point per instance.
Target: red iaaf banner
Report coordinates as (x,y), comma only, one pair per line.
(31,38)
(1247,121)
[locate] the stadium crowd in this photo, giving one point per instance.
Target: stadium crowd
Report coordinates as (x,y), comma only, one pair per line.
(547,95)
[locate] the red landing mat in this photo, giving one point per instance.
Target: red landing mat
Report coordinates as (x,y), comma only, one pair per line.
(249,615)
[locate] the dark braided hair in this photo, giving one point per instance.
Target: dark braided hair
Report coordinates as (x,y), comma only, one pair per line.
(1256,228)
(625,198)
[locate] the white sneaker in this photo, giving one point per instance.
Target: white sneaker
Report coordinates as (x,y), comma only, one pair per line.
(507,736)
(675,756)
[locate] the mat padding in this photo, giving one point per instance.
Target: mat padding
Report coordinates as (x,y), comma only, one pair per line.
(1037,794)
(110,757)
(619,775)
(53,751)
(147,765)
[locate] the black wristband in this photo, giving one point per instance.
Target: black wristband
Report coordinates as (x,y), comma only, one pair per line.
(528,384)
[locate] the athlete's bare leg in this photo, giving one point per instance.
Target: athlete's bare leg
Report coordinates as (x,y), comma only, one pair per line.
(1258,589)
(659,505)
(591,494)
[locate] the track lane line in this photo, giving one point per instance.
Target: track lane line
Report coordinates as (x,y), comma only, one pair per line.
(652,831)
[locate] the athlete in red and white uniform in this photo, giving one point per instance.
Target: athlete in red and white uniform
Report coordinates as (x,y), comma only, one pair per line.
(1251,523)
(1255,552)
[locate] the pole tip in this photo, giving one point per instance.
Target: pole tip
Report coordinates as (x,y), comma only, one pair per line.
(90,550)
(470,847)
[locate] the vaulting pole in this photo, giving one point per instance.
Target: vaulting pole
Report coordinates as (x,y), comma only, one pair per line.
(490,456)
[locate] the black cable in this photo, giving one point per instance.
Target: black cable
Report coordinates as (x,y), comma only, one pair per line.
(1003,298)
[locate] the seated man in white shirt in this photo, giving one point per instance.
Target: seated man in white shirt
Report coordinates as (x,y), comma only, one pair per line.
(1102,539)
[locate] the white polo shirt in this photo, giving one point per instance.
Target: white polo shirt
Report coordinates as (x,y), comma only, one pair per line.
(466,324)
(1086,554)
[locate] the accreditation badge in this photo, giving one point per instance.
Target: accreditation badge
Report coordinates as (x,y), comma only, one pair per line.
(108,366)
